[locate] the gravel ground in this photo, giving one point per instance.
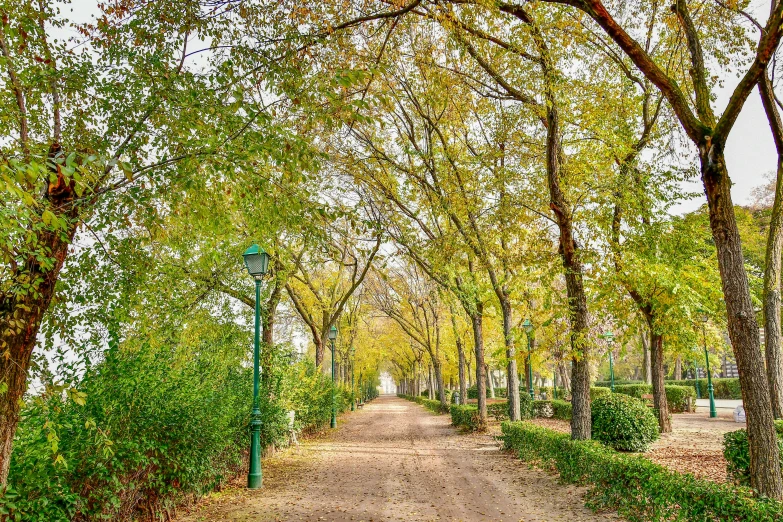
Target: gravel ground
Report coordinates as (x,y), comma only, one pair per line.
(395,461)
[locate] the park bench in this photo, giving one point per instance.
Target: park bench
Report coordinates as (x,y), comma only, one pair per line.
(648,400)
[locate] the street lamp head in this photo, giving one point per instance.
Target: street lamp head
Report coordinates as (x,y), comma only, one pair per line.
(256,261)
(527,325)
(703,316)
(333,333)
(609,336)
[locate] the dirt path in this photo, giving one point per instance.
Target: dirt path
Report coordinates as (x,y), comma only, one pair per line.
(394,461)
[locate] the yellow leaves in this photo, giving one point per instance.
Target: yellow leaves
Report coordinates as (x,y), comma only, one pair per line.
(76,396)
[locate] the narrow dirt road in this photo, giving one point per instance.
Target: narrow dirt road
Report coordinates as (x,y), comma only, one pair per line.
(395,461)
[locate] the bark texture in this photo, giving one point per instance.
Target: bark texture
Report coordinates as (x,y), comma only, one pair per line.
(21,315)
(773,344)
(658,383)
(765,473)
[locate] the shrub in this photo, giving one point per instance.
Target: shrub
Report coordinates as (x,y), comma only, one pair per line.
(623,422)
(562,410)
(465,416)
(640,490)
(737,453)
(599,391)
(434,406)
(543,409)
(676,396)
(722,388)
(499,410)
(157,425)
(525,406)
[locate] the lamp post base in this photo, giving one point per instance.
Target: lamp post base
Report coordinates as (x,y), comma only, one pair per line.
(334,422)
(255,481)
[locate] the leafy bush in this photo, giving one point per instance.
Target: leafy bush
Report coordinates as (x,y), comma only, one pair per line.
(525,406)
(723,388)
(623,422)
(543,409)
(598,391)
(151,426)
(737,453)
(676,396)
(434,406)
(499,410)
(640,490)
(562,410)
(466,416)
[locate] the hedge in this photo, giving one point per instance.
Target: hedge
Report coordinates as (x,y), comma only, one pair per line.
(499,410)
(599,391)
(675,395)
(563,410)
(737,453)
(640,490)
(623,422)
(722,388)
(466,416)
(434,406)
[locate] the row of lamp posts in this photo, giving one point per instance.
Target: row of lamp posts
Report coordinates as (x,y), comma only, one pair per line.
(257,264)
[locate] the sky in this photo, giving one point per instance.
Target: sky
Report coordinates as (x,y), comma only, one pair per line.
(750,151)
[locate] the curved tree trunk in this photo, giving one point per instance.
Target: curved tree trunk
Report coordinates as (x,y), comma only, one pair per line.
(658,383)
(765,473)
(773,344)
(512,373)
(21,315)
(478,346)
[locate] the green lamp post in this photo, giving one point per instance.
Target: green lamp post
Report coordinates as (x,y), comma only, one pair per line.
(609,336)
(528,326)
(353,386)
(256,262)
(704,318)
(332,337)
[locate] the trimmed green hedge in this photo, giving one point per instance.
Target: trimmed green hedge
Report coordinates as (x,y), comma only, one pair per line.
(675,395)
(499,410)
(623,422)
(723,388)
(563,410)
(640,490)
(434,406)
(737,453)
(466,416)
(599,391)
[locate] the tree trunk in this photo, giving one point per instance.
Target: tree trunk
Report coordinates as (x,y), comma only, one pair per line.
(430,390)
(774,257)
(647,362)
(478,348)
(463,384)
(21,314)
(659,392)
(765,473)
(512,372)
(490,383)
(439,382)
(678,369)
